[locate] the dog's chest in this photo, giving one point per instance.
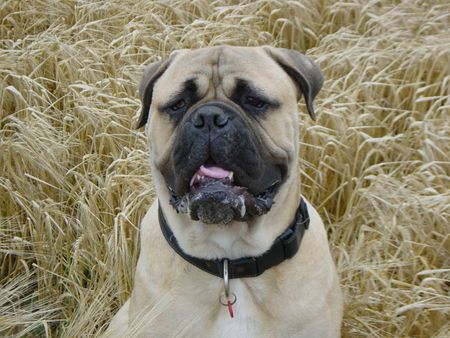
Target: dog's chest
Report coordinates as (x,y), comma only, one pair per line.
(249,317)
(252,313)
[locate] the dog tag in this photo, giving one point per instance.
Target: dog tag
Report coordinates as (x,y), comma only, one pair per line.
(228,302)
(230,308)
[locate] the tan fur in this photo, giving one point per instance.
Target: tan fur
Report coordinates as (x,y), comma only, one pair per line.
(300,297)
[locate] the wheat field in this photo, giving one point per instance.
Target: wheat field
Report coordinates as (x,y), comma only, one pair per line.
(75,181)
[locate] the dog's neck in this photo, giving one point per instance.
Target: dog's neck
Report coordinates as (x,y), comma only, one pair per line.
(237,239)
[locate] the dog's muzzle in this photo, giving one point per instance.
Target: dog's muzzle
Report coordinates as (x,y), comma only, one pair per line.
(219,169)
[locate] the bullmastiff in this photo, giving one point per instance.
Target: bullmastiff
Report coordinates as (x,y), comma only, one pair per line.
(230,248)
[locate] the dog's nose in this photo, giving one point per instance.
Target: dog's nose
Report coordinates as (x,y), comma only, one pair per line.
(209,117)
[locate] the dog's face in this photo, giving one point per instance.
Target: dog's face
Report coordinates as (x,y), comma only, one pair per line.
(223,126)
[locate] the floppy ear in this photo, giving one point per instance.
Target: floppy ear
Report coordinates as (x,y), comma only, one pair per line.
(151,74)
(305,73)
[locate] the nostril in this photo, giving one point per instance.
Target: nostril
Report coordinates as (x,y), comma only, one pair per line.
(198,121)
(220,120)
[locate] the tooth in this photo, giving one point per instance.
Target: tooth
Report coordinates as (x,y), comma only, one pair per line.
(243,209)
(188,205)
(230,176)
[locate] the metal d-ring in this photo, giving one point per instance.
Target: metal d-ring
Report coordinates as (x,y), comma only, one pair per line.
(225,278)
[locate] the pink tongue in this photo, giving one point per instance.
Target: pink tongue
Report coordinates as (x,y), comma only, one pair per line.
(215,172)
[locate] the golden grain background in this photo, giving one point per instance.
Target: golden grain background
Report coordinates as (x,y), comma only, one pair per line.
(74,180)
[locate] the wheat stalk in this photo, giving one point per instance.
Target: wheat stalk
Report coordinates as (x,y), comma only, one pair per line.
(75,182)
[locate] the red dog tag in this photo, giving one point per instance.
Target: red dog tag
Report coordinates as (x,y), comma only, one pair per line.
(230,309)
(228,302)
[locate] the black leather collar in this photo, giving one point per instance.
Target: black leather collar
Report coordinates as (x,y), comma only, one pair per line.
(284,247)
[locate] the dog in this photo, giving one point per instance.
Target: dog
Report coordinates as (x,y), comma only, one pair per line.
(230,248)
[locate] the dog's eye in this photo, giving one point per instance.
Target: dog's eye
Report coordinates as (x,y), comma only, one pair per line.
(180,104)
(255,102)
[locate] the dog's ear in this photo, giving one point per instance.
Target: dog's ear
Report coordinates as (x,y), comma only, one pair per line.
(151,73)
(305,73)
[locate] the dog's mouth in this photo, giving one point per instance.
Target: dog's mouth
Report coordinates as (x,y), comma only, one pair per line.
(214,197)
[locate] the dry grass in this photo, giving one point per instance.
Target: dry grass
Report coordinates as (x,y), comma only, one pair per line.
(74,177)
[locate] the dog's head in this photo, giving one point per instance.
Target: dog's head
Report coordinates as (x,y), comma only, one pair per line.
(222,124)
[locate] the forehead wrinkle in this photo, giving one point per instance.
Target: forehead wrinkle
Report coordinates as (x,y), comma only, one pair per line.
(215,67)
